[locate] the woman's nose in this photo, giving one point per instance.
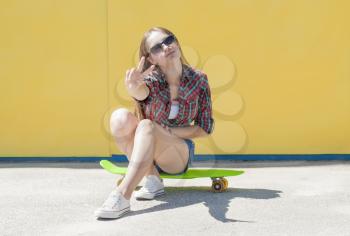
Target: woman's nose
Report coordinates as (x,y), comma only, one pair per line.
(165,47)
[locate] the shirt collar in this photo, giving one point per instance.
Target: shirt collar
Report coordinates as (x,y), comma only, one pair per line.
(187,71)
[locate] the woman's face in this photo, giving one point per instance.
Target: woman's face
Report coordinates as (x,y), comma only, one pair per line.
(162,54)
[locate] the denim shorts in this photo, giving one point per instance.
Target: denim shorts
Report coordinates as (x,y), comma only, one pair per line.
(190,145)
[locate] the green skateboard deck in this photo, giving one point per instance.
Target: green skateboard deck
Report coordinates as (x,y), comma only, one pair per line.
(217,175)
(190,173)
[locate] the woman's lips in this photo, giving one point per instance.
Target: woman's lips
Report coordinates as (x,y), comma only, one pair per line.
(170,53)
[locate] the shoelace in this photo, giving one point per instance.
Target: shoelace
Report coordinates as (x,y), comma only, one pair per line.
(149,184)
(112,200)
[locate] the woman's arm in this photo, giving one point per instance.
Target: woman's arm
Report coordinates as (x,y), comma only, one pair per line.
(141,93)
(188,132)
(204,118)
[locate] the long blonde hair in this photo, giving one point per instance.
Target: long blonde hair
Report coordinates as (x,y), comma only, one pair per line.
(138,112)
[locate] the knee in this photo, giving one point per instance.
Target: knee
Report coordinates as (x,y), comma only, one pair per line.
(145,126)
(122,120)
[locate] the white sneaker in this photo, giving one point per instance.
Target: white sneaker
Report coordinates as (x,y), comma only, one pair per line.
(152,188)
(115,206)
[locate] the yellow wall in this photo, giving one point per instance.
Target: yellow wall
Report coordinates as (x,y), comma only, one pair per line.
(53,78)
(279,72)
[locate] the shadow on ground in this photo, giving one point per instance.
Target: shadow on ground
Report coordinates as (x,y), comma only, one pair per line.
(217,203)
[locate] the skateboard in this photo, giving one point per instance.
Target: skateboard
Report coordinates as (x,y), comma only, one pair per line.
(219,182)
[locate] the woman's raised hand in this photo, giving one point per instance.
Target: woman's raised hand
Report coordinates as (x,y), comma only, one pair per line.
(134,77)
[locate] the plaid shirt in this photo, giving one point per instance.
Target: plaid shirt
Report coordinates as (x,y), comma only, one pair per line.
(194,99)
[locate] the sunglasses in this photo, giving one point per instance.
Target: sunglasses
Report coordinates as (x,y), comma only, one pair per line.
(158,47)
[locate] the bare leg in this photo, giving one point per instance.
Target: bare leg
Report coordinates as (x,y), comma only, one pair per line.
(141,158)
(123,126)
(144,142)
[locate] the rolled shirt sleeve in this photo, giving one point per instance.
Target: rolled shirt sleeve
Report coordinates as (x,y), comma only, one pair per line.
(204,118)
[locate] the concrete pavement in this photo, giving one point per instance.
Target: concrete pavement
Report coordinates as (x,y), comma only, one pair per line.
(271,198)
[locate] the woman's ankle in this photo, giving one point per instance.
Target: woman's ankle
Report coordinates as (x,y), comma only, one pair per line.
(125,194)
(153,171)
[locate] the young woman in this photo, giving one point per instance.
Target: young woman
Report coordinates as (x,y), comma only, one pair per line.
(169,94)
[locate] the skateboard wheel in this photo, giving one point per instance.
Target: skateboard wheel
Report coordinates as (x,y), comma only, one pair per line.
(225,183)
(217,186)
